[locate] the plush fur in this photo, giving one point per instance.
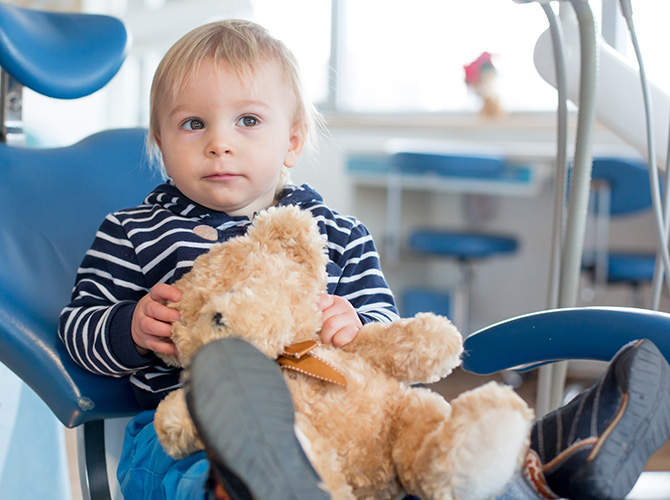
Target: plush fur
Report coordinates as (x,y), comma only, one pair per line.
(379,437)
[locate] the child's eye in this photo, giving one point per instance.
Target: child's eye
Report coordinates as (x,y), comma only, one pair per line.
(193,124)
(248,121)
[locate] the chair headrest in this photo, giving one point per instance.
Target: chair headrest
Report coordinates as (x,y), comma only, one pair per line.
(61,55)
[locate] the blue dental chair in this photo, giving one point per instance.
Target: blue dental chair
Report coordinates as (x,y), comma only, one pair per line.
(51,204)
(53,200)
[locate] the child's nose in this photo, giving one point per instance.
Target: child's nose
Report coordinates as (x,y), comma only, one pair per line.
(218,145)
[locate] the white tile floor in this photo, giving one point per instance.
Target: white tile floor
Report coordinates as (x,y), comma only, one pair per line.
(32,445)
(652,486)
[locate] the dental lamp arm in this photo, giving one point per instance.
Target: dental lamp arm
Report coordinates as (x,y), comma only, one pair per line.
(619,104)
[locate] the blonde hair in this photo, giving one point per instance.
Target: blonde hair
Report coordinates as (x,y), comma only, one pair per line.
(243,46)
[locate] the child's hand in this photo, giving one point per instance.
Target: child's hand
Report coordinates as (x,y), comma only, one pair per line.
(340,320)
(152,320)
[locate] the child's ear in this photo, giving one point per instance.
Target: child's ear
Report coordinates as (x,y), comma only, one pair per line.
(296,143)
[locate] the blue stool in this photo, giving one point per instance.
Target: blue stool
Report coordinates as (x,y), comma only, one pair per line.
(620,187)
(465,247)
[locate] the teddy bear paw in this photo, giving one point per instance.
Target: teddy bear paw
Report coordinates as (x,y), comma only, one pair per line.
(492,442)
(490,455)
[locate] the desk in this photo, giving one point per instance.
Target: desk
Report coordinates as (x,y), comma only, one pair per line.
(528,167)
(376,170)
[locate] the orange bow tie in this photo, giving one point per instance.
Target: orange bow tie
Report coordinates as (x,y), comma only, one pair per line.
(298,357)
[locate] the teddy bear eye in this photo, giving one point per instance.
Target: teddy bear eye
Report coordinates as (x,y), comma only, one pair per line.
(217,319)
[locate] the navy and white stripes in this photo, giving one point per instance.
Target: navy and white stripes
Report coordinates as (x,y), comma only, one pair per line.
(136,248)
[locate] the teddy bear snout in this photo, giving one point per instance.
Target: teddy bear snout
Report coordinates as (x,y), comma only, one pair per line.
(217,320)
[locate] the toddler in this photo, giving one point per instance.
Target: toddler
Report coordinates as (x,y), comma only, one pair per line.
(228,119)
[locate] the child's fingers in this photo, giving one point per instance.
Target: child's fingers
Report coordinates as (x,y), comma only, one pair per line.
(325,301)
(161,312)
(160,329)
(156,344)
(163,291)
(345,335)
(339,330)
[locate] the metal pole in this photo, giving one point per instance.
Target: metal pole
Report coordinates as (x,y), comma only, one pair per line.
(11,110)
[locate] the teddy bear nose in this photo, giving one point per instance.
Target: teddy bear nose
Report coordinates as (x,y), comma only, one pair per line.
(217,319)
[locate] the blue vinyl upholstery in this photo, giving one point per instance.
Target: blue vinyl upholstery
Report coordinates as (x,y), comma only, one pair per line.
(560,334)
(51,204)
(61,55)
(629,183)
(460,245)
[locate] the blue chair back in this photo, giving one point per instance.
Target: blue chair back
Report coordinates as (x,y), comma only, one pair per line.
(52,202)
(628,181)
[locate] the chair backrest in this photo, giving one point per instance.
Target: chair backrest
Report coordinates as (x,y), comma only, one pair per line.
(628,183)
(51,204)
(620,186)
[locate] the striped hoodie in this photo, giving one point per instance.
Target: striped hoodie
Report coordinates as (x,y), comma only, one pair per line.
(136,248)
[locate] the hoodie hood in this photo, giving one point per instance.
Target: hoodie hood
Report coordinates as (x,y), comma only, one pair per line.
(170,198)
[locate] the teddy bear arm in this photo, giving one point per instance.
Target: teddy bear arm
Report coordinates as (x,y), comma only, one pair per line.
(421,349)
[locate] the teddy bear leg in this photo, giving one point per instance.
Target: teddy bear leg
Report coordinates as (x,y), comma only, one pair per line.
(468,451)
(493,424)
(323,457)
(174,426)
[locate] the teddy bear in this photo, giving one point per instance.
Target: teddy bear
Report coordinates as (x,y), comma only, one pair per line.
(370,431)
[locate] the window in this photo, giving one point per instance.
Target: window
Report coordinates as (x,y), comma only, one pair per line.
(304,26)
(400,56)
(409,56)
(650,18)
(392,55)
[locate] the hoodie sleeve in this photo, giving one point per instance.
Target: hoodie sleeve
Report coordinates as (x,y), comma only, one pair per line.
(355,271)
(95,326)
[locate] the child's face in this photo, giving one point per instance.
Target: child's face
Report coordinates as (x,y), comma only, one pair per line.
(224,140)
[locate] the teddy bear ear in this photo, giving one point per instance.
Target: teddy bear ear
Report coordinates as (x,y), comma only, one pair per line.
(293,232)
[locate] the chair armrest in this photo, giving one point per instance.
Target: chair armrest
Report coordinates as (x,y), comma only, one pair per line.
(30,347)
(596,333)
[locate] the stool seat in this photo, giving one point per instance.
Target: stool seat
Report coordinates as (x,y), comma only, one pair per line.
(631,268)
(61,55)
(460,245)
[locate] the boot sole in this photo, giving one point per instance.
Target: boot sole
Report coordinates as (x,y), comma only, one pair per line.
(643,427)
(243,411)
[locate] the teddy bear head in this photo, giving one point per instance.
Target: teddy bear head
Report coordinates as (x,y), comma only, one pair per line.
(263,287)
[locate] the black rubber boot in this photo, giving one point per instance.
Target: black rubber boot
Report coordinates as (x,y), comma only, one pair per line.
(596,446)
